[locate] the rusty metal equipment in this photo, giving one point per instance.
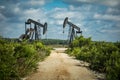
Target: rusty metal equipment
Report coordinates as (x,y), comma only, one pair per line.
(33,33)
(73,30)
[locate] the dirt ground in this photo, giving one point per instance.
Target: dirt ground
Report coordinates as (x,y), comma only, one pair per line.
(60,66)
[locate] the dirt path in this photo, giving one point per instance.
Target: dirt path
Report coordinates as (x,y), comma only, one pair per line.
(59,66)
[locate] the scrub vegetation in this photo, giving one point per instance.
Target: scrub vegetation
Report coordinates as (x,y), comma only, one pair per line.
(18,59)
(102,56)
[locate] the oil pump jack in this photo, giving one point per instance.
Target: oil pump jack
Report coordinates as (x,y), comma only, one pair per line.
(73,30)
(35,32)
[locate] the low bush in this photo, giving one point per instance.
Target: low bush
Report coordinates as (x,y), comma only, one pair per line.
(102,56)
(20,59)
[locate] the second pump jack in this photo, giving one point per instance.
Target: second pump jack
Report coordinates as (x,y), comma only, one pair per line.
(33,33)
(73,30)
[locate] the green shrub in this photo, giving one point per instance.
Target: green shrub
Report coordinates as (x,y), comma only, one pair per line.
(102,56)
(20,59)
(26,56)
(7,62)
(113,66)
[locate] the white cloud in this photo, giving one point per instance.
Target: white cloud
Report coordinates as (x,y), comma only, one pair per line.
(59,9)
(34,14)
(113,11)
(111,31)
(51,22)
(111,3)
(118,25)
(32,11)
(107,17)
(2,17)
(2,7)
(17,10)
(61,15)
(71,14)
(59,22)
(36,2)
(109,10)
(71,7)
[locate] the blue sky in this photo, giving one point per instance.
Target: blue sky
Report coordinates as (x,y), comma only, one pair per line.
(99,19)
